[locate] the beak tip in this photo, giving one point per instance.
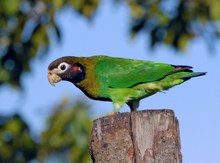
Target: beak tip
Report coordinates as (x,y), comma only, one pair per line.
(53,78)
(52,84)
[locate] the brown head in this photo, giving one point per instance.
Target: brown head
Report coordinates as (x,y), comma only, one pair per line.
(66,68)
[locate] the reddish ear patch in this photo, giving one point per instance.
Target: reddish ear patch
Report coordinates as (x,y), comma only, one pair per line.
(77,69)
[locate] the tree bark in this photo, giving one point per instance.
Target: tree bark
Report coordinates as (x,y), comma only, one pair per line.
(149,136)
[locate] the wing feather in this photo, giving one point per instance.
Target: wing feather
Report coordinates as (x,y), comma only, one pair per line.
(125,73)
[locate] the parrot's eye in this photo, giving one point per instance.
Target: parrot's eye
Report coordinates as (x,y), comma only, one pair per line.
(62,67)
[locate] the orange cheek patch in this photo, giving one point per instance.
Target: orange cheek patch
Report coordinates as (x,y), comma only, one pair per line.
(77,69)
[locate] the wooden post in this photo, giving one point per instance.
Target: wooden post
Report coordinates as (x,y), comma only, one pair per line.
(149,136)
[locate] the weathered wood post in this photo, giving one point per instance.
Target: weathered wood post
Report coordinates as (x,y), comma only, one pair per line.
(149,136)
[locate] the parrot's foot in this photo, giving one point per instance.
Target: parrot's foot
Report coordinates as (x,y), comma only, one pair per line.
(133,105)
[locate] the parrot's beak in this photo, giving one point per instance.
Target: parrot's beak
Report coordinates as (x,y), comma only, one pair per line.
(53,77)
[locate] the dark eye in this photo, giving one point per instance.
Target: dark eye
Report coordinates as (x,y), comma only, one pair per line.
(63,67)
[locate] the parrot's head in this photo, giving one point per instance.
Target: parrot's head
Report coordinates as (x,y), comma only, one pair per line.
(66,68)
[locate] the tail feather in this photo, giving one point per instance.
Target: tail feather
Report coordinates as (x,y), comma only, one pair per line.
(193,74)
(180,68)
(185,68)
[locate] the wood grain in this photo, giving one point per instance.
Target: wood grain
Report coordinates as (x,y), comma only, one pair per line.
(149,136)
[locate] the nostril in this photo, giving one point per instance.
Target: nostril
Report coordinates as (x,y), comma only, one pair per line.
(50,73)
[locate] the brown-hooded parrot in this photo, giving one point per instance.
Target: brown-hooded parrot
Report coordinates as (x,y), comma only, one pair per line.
(120,80)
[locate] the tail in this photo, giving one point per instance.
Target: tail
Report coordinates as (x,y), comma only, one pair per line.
(188,72)
(178,76)
(193,74)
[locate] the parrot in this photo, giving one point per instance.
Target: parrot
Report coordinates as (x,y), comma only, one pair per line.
(119,80)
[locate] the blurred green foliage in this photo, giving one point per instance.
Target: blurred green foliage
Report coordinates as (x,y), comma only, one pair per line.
(16,144)
(26,26)
(175,22)
(66,138)
(68,132)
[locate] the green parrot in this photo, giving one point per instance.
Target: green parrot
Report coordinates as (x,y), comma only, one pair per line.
(120,80)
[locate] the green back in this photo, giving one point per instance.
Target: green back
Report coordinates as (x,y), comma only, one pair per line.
(124,73)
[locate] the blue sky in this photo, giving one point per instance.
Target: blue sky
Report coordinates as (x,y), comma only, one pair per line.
(195,102)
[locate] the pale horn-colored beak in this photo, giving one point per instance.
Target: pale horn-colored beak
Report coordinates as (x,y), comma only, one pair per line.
(53,78)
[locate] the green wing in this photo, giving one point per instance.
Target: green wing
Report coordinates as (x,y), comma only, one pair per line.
(125,73)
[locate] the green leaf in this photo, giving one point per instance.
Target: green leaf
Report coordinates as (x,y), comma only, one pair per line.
(9,7)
